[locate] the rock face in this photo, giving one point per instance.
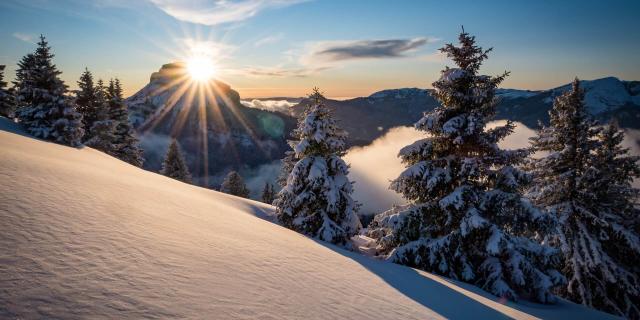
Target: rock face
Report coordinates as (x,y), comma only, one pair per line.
(215,130)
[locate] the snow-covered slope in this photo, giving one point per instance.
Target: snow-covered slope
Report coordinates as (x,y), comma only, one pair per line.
(84,235)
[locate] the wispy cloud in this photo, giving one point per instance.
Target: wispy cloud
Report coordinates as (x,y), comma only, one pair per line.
(268,40)
(210,12)
(330,51)
(30,38)
(282,72)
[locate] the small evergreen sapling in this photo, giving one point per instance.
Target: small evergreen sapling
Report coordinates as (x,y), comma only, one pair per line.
(268,193)
(234,184)
(316,199)
(174,165)
(466,218)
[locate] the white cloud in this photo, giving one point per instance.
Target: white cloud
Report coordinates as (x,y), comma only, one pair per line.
(30,38)
(270,105)
(299,72)
(210,12)
(213,49)
(269,40)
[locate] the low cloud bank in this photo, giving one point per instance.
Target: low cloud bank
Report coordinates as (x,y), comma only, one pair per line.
(375,165)
(270,105)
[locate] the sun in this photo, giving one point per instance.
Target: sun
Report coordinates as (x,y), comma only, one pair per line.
(201,68)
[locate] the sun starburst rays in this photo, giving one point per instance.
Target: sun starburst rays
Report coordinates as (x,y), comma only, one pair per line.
(195,96)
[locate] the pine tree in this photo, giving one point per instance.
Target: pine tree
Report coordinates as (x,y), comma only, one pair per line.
(234,184)
(585,180)
(174,165)
(316,199)
(102,130)
(86,102)
(268,193)
(7,97)
(44,110)
(125,140)
(466,218)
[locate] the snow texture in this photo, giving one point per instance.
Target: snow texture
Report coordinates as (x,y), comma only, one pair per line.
(85,235)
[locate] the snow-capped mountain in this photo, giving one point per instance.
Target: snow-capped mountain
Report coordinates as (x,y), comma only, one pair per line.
(368,118)
(85,235)
(216,131)
(606,94)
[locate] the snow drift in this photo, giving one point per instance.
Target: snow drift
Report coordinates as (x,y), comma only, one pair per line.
(85,235)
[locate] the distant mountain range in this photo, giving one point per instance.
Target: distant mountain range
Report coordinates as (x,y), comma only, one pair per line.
(367,118)
(227,133)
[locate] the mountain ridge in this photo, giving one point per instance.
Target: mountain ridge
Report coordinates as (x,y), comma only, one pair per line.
(605,98)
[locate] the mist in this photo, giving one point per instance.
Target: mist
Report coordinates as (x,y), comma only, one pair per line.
(270,105)
(374,166)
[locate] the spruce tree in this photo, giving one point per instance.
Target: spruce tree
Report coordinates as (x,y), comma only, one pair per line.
(44,110)
(466,218)
(86,102)
(288,162)
(102,130)
(268,193)
(234,184)
(316,199)
(585,181)
(174,164)
(125,140)
(615,171)
(7,97)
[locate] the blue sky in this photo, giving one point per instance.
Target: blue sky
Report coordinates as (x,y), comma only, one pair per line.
(346,47)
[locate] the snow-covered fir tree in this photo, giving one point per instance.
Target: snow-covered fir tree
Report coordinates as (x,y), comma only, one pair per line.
(125,140)
(268,193)
(316,199)
(44,109)
(102,130)
(174,164)
(7,97)
(234,184)
(86,102)
(288,162)
(585,181)
(615,171)
(466,218)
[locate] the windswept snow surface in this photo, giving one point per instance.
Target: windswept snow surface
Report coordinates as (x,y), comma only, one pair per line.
(83,235)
